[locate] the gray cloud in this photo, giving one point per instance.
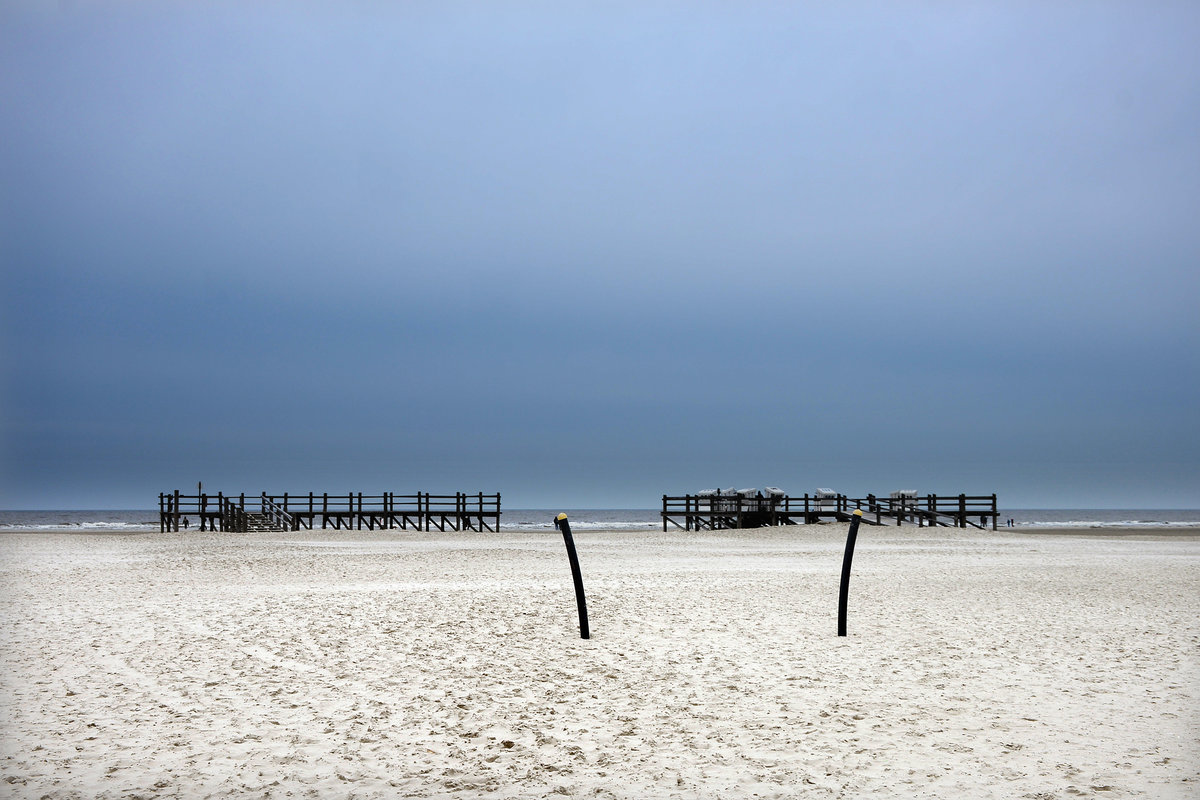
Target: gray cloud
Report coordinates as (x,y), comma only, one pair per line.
(416,245)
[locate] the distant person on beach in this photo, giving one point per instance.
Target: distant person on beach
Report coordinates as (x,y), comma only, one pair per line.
(186,523)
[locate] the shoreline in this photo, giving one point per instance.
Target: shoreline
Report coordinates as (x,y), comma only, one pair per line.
(1114,532)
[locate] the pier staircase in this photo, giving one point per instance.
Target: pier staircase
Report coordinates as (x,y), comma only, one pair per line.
(261,523)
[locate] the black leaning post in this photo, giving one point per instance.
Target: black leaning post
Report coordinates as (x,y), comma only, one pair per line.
(563,525)
(844,595)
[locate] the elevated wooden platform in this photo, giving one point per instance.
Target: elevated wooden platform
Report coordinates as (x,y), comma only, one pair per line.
(353,511)
(704,512)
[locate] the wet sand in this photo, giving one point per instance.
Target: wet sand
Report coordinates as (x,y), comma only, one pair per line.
(357,664)
(1148,533)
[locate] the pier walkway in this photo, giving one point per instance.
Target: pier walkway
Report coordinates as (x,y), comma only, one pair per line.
(717,512)
(353,511)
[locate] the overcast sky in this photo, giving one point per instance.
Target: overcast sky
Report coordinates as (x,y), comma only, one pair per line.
(588,254)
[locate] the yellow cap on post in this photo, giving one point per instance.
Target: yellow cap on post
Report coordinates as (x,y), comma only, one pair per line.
(858,512)
(561,516)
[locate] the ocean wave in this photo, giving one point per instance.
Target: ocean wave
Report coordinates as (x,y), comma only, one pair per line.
(1126,523)
(584,525)
(81,526)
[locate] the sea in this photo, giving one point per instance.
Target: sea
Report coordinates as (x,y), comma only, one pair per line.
(613,519)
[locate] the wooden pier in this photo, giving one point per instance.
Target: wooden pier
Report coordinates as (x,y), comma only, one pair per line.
(353,511)
(708,512)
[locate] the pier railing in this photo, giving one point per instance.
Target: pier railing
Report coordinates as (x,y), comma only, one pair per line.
(421,511)
(277,515)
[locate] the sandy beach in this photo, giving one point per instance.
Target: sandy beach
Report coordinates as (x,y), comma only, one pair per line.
(375,665)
